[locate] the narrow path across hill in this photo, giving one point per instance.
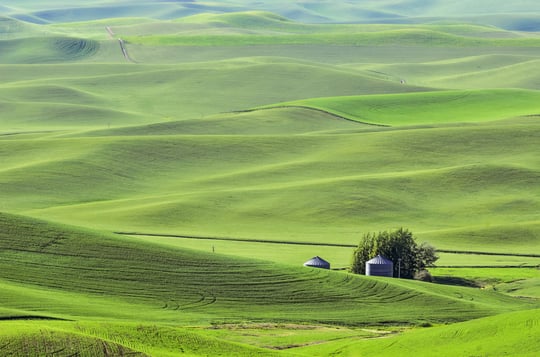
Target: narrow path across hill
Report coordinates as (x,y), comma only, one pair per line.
(124,50)
(253,240)
(314,109)
(121,42)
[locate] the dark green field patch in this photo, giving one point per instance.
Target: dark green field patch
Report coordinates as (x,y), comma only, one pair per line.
(46,50)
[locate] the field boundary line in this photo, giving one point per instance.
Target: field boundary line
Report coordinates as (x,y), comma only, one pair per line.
(487,266)
(247,240)
(317,244)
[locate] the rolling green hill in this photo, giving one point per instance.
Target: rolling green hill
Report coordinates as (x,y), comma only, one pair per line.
(521,13)
(186,285)
(49,50)
(507,334)
(436,107)
(319,178)
(228,142)
(43,265)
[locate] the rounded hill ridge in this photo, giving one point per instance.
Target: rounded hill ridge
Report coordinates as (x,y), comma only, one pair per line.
(169,167)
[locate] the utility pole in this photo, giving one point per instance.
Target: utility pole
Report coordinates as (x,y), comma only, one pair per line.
(399,268)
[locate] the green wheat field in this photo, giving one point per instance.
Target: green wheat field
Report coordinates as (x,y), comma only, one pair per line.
(167,167)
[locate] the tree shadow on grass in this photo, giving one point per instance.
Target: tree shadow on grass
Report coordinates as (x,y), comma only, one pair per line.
(453,280)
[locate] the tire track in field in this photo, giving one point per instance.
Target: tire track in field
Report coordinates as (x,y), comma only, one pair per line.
(124,50)
(121,42)
(315,244)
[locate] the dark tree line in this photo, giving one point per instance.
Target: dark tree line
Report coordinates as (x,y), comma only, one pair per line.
(400,247)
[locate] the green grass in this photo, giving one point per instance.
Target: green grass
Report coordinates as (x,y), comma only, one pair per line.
(340,257)
(317,186)
(43,265)
(100,96)
(46,50)
(388,37)
(476,71)
(518,15)
(430,108)
(170,144)
(148,291)
(507,334)
(100,338)
(520,282)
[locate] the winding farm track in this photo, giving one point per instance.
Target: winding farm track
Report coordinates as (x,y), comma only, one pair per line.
(124,50)
(121,42)
(110,31)
(317,244)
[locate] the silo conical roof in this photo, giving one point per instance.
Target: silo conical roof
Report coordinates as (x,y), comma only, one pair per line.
(380,260)
(317,262)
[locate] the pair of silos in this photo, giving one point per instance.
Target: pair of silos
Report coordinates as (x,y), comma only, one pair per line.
(378,266)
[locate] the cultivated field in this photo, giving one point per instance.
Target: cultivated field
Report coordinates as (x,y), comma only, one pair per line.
(166,168)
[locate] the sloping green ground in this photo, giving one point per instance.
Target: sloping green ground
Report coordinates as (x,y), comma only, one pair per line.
(105,339)
(168,142)
(436,107)
(46,262)
(59,272)
(329,182)
(512,334)
(519,15)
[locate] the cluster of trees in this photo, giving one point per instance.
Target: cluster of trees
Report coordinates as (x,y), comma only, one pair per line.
(410,259)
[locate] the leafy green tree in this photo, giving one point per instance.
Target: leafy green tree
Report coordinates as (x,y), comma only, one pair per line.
(363,253)
(400,247)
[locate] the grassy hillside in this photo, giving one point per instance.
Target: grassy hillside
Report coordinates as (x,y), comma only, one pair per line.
(315,186)
(96,339)
(228,143)
(436,107)
(507,334)
(101,96)
(403,11)
(39,50)
(139,285)
(51,261)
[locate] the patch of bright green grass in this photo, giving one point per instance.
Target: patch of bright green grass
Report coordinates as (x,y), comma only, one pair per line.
(339,257)
(478,260)
(524,282)
(99,338)
(476,71)
(430,108)
(506,334)
(107,95)
(519,75)
(401,36)
(31,339)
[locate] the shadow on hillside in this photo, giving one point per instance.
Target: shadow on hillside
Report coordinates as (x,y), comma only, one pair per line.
(452,280)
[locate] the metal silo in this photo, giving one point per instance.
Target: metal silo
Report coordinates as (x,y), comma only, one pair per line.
(380,266)
(317,262)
